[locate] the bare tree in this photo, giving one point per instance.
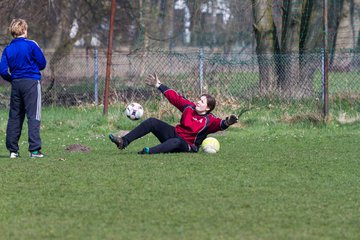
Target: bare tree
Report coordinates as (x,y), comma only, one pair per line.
(290,43)
(310,44)
(346,35)
(300,36)
(266,45)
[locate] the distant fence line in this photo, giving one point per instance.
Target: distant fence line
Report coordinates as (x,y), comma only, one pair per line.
(79,78)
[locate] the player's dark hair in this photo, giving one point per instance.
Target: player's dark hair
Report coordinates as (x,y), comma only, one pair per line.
(211,102)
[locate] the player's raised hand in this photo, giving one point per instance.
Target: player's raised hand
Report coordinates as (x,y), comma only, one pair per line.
(153,80)
(231,120)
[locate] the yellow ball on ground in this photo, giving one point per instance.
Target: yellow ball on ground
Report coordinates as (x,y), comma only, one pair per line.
(210,145)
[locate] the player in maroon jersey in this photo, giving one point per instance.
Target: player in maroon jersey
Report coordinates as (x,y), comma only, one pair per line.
(196,123)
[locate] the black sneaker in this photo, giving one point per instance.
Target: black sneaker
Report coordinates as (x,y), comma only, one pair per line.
(145,150)
(36,154)
(117,140)
(14,155)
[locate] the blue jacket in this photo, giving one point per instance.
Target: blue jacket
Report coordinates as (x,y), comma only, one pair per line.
(22,58)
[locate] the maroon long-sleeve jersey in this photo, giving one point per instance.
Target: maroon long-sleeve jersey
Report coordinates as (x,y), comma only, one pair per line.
(193,128)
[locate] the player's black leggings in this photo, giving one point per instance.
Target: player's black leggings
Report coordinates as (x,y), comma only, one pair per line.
(170,141)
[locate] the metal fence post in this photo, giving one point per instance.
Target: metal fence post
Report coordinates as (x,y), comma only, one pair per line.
(326,62)
(96,77)
(87,64)
(201,69)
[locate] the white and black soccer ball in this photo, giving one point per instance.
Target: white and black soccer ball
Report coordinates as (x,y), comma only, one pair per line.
(134,111)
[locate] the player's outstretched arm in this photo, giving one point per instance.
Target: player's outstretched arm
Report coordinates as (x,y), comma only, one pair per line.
(153,80)
(171,95)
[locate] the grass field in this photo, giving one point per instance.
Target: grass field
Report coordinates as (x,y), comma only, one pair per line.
(270,180)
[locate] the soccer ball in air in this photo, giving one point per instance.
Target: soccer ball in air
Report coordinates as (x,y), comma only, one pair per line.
(210,145)
(134,111)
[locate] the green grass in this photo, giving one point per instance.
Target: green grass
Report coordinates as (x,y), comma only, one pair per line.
(270,180)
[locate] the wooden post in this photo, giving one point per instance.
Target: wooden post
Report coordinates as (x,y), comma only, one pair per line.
(109,55)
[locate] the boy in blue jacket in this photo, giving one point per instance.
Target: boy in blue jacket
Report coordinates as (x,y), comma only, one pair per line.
(21,63)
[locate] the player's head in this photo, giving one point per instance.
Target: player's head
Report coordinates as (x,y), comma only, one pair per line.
(205,104)
(211,102)
(18,27)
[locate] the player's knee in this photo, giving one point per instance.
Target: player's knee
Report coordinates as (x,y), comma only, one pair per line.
(150,124)
(151,121)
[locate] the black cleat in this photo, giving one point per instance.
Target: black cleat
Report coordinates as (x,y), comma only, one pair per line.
(117,140)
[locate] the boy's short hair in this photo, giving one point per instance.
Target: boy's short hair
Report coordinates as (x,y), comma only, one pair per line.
(18,27)
(211,102)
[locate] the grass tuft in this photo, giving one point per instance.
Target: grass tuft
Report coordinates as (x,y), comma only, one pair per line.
(345,119)
(313,118)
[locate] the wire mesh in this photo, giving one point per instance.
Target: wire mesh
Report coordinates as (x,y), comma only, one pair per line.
(240,78)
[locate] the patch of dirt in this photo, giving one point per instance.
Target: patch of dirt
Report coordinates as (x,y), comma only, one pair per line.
(77,148)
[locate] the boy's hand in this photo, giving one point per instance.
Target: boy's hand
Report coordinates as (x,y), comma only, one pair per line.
(153,80)
(231,120)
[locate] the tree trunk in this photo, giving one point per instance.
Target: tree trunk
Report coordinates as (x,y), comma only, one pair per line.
(289,67)
(347,34)
(213,24)
(356,29)
(343,39)
(144,9)
(266,44)
(312,25)
(346,28)
(64,43)
(170,24)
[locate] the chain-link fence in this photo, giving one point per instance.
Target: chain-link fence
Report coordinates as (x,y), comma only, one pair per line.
(242,79)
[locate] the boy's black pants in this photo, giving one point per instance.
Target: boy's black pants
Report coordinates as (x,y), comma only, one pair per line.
(25,99)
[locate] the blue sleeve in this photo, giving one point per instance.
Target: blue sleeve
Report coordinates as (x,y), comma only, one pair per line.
(38,56)
(4,67)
